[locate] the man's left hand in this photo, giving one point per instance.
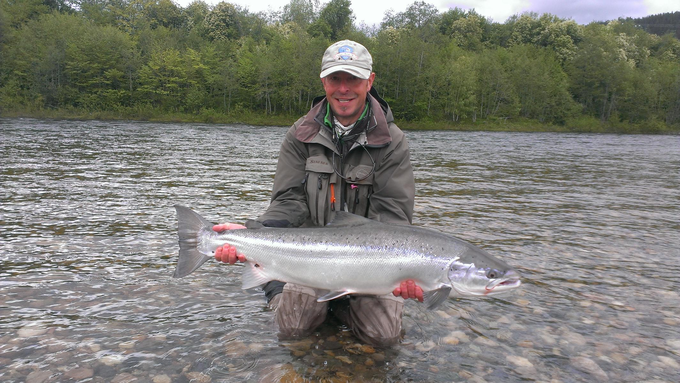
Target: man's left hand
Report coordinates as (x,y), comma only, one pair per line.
(409,290)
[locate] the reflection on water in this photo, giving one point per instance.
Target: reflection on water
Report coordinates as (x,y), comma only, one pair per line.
(88,245)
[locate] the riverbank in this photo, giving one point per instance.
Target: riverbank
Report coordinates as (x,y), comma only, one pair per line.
(582,124)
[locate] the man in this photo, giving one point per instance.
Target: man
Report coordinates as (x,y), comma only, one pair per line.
(345,154)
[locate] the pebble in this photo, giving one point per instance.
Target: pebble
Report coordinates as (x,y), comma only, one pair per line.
(522,365)
(124,378)
(465,374)
(504,335)
(238,348)
(30,331)
(669,362)
(344,359)
(574,338)
(54,348)
(450,340)
(443,314)
(589,366)
(303,345)
(198,377)
(461,336)
(519,361)
(548,339)
(484,341)
(38,376)
(523,302)
(79,373)
(425,346)
(159,338)
(161,379)
(127,345)
(675,343)
(378,357)
(112,359)
(619,358)
(332,345)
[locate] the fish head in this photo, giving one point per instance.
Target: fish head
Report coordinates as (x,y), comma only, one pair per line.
(480,274)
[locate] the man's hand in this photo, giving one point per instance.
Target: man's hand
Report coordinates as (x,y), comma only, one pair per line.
(409,289)
(227,253)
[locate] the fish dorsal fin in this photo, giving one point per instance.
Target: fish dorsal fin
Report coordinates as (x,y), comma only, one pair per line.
(434,298)
(343,218)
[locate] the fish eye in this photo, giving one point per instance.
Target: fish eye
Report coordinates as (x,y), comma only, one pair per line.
(493,274)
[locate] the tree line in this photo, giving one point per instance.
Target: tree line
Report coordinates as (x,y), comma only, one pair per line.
(660,24)
(136,57)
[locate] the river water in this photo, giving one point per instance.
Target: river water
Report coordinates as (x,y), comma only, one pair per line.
(88,246)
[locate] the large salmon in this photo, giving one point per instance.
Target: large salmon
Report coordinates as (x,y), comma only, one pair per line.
(351,255)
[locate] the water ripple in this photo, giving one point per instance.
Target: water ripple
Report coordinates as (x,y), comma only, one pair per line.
(88,247)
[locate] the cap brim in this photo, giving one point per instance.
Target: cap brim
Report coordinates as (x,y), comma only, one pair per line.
(353,70)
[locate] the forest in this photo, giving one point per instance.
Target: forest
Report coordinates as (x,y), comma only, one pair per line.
(156,60)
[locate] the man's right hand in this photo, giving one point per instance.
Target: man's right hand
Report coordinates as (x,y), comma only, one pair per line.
(228,253)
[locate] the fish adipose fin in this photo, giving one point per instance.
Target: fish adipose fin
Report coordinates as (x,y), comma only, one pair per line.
(189,224)
(333,295)
(253,276)
(434,298)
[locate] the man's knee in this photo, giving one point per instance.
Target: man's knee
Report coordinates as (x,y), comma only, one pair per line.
(297,311)
(377,320)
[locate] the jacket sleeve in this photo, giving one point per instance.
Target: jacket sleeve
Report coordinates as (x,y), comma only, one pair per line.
(394,185)
(289,201)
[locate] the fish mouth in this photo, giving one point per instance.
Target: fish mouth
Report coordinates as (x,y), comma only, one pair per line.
(509,281)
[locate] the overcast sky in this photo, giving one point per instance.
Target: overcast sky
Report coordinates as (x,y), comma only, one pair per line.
(582,11)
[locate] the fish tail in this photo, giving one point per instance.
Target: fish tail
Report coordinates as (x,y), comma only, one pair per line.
(190,225)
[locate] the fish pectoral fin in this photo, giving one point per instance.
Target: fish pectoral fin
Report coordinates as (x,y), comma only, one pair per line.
(333,295)
(434,298)
(253,276)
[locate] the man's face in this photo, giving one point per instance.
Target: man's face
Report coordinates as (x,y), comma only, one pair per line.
(346,94)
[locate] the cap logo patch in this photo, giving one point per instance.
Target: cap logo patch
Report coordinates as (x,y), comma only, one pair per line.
(346,53)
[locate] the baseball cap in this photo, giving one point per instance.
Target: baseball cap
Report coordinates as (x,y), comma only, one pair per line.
(347,56)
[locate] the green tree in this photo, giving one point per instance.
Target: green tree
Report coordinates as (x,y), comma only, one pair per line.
(495,94)
(301,12)
(338,16)
(548,30)
(17,13)
(224,22)
(96,67)
(598,72)
(540,83)
(417,16)
(163,80)
(458,85)
(35,63)
(164,13)
(468,29)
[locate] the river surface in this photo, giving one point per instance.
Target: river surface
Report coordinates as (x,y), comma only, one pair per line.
(88,246)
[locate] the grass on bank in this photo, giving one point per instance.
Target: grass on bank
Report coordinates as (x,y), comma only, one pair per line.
(582,124)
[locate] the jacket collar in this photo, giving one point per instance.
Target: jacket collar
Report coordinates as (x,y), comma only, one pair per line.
(377,129)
